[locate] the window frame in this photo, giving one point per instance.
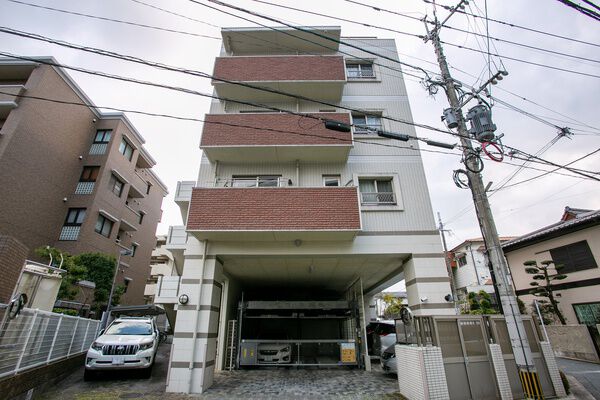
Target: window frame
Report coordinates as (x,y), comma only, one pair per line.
(78,211)
(126,145)
(134,248)
(104,133)
(369,128)
(257,179)
(338,178)
(112,184)
(105,219)
(360,66)
(396,187)
(95,168)
(376,182)
(570,266)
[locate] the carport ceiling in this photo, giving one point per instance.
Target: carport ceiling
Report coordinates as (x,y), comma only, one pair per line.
(326,272)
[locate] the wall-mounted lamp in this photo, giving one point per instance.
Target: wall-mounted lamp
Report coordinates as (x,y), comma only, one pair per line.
(184,299)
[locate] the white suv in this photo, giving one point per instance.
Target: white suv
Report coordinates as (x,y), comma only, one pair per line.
(128,343)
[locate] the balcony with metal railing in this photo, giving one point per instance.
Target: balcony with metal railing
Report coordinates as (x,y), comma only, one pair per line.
(275,137)
(262,209)
(321,76)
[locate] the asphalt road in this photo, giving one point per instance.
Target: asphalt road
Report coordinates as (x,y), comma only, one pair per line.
(587,373)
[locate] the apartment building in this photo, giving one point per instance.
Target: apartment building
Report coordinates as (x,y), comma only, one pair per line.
(74,177)
(291,228)
(470,267)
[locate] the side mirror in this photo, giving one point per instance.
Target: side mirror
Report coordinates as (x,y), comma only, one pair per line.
(101,332)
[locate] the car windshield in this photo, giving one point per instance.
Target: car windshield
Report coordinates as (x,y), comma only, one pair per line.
(129,328)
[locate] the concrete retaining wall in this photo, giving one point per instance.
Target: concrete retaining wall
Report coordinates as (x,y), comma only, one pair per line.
(572,341)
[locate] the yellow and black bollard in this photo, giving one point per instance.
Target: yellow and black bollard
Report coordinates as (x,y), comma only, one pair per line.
(531,384)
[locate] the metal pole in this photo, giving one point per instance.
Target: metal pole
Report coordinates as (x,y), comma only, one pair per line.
(448,266)
(54,338)
(537,307)
(514,322)
(106,315)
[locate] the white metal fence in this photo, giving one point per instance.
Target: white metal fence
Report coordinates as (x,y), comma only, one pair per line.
(34,338)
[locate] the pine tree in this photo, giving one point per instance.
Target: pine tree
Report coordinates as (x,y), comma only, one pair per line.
(543,281)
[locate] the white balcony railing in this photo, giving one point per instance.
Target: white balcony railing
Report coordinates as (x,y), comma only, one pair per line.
(177,236)
(378,198)
(167,289)
(249,182)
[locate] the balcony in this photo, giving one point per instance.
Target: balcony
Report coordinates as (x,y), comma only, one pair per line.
(9,98)
(318,77)
(183,196)
(167,290)
(274,213)
(274,137)
(176,243)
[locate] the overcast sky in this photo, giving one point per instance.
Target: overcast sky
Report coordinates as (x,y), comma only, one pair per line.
(174,144)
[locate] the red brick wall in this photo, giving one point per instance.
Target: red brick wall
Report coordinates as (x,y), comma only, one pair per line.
(283,68)
(326,208)
(310,131)
(12,258)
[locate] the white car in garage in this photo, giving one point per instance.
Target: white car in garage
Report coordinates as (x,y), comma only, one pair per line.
(127,343)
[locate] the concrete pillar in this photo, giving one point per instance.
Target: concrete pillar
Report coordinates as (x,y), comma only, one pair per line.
(421,374)
(192,364)
(427,283)
(370,309)
(500,371)
(553,369)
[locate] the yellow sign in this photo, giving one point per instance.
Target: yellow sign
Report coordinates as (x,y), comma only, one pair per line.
(348,352)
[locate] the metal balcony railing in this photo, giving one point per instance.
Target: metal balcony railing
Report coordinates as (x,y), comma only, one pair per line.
(84,188)
(378,198)
(260,181)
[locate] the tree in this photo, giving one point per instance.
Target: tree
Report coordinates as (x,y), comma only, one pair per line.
(480,303)
(74,274)
(544,276)
(100,270)
(393,305)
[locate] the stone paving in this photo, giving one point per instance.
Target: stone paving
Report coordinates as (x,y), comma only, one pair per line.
(245,384)
(303,384)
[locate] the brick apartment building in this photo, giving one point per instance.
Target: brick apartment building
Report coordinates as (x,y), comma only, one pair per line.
(292,228)
(73,177)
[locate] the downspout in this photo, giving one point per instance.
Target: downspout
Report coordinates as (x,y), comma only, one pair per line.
(298,173)
(216,173)
(195,333)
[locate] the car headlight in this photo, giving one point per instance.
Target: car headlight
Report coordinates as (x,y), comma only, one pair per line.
(146,346)
(97,346)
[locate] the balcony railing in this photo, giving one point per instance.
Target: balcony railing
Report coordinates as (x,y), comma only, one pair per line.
(378,198)
(69,233)
(98,148)
(274,213)
(167,289)
(275,137)
(320,77)
(84,188)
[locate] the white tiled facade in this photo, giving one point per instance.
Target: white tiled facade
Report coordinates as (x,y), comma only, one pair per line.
(553,370)
(500,372)
(421,374)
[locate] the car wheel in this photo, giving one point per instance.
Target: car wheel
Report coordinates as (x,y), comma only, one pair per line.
(89,375)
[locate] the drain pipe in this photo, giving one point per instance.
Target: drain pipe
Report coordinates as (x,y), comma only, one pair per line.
(195,333)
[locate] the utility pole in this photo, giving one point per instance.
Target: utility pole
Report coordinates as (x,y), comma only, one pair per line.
(448,266)
(514,322)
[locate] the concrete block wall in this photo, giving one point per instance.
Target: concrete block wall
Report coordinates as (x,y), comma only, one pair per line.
(500,371)
(553,370)
(421,374)
(572,341)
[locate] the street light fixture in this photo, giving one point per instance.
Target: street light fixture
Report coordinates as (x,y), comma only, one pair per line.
(123,252)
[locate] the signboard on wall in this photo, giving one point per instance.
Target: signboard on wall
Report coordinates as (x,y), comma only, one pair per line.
(348,352)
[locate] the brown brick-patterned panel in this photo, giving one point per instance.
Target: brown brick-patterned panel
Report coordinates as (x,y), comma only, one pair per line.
(302,209)
(12,259)
(283,68)
(305,131)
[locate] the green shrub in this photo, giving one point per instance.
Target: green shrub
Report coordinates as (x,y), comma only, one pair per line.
(66,311)
(565,382)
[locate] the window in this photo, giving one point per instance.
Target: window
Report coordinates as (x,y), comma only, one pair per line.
(256,181)
(142,214)
(133,249)
(103,225)
(360,70)
(102,136)
(331,180)
(75,217)
(126,149)
(116,185)
(89,174)
(148,187)
(376,191)
(587,314)
(462,261)
(72,225)
(574,257)
(120,235)
(366,124)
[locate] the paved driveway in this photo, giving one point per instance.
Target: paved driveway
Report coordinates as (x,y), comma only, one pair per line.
(246,384)
(588,374)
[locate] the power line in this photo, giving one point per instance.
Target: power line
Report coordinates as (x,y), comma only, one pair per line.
(585,11)
(114,20)
(176,14)
(517,26)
